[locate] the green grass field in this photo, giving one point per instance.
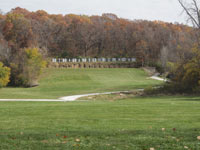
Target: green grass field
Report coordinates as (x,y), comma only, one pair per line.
(134,124)
(56,83)
(106,123)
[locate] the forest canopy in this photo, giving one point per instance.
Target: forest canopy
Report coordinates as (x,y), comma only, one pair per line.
(92,36)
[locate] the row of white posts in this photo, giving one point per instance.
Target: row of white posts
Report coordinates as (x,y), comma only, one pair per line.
(75,60)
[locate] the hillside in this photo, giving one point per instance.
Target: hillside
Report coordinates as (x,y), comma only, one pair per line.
(56,83)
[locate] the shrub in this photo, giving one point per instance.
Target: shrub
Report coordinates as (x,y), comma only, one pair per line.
(149,90)
(158,66)
(33,66)
(27,68)
(185,75)
(4,75)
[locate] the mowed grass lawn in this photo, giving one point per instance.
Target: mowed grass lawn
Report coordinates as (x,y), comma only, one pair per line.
(132,124)
(55,83)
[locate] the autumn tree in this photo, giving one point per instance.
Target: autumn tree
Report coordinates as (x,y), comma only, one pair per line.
(4,75)
(186,76)
(96,36)
(27,71)
(17,32)
(5,50)
(33,66)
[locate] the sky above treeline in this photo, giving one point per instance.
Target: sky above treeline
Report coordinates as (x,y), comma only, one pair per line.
(164,10)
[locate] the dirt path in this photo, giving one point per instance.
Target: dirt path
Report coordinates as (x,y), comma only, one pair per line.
(155,77)
(62,99)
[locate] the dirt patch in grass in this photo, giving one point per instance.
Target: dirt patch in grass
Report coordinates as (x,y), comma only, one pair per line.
(113,97)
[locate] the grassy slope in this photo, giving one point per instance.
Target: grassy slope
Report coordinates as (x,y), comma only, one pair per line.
(56,83)
(133,123)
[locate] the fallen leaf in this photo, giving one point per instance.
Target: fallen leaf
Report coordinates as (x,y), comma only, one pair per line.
(57,134)
(44,141)
(174,129)
(78,140)
(64,137)
(185,147)
(198,137)
(163,129)
(14,138)
(152,148)
(64,142)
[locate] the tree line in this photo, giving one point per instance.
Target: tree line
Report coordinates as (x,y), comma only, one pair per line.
(92,36)
(152,43)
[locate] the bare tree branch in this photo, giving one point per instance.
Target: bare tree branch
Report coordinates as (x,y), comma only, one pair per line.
(197,10)
(192,11)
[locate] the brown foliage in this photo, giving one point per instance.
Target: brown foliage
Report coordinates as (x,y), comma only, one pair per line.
(96,36)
